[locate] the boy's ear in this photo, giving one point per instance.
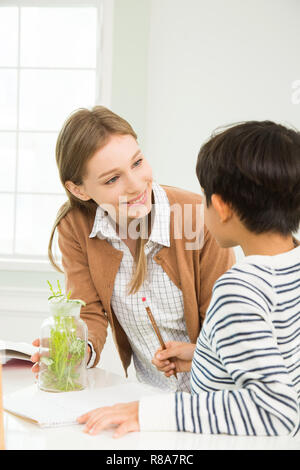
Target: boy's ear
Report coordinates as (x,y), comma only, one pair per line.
(77,191)
(223,209)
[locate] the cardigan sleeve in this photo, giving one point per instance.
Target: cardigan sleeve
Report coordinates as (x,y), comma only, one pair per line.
(214,262)
(79,282)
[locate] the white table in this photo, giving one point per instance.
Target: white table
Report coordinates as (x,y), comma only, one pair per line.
(23,435)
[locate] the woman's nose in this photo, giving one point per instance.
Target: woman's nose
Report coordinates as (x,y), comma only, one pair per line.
(133,185)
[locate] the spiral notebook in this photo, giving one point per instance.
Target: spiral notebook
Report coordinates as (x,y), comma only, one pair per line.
(62,409)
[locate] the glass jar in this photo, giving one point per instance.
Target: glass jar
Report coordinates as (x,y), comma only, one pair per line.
(63,346)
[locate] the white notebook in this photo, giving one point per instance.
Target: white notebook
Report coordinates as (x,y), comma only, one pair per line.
(16,350)
(61,409)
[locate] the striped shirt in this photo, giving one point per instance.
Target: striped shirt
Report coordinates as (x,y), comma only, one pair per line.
(245,377)
(164,298)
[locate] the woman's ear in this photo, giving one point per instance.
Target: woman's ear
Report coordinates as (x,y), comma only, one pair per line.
(77,191)
(223,209)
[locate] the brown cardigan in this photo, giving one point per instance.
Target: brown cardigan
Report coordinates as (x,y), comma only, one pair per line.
(91,264)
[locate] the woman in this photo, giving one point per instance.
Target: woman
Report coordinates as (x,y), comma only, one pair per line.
(120,239)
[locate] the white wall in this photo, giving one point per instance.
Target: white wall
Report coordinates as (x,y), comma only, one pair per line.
(213,63)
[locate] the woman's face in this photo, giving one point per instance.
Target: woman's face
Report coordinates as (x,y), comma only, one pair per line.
(119,179)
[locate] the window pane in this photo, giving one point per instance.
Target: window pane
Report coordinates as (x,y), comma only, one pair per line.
(7,223)
(47,97)
(8,36)
(35,218)
(58,37)
(7,160)
(8,99)
(37,170)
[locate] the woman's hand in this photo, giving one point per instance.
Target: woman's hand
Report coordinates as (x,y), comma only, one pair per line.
(36,357)
(177,357)
(123,415)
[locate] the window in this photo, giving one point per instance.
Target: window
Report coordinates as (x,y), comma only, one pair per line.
(49,66)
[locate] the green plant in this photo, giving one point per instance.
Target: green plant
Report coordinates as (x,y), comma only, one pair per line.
(66,351)
(60,296)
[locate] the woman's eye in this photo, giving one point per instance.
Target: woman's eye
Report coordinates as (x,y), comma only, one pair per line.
(112,180)
(138,162)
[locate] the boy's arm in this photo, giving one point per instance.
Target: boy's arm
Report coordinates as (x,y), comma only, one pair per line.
(250,391)
(78,280)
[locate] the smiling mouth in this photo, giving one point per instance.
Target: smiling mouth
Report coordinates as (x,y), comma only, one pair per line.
(141,199)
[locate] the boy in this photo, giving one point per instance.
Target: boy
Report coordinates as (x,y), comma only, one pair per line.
(245,367)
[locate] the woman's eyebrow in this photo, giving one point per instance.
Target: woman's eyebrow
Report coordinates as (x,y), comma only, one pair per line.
(116,169)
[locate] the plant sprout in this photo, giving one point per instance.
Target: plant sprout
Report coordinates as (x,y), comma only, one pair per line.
(65,351)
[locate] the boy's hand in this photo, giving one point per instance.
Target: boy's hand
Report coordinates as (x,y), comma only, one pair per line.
(36,357)
(124,415)
(177,357)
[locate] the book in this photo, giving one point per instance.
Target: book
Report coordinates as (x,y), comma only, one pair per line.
(61,409)
(16,350)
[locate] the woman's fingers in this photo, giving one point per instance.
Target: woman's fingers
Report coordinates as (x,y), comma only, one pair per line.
(35,368)
(35,357)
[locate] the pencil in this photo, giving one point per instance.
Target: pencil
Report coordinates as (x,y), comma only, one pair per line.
(156,329)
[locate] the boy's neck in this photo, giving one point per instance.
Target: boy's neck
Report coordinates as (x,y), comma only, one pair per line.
(267,244)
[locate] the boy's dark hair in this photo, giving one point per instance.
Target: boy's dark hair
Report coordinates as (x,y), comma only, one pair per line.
(255,167)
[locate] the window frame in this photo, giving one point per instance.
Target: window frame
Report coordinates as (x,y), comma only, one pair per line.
(104,51)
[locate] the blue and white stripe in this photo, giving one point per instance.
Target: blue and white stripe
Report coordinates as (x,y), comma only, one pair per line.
(246,369)
(245,377)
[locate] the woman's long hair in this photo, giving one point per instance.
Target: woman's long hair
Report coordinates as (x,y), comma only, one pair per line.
(83,134)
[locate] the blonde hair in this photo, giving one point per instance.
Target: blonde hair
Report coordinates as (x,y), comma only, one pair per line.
(82,135)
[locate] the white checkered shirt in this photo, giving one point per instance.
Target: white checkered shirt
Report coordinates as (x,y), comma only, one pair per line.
(164,298)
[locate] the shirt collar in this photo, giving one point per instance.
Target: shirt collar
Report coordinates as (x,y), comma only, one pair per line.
(104,228)
(160,232)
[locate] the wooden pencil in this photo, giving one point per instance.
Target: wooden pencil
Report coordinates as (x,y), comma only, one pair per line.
(156,329)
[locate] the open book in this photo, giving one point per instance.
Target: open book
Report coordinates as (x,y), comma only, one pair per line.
(61,409)
(16,350)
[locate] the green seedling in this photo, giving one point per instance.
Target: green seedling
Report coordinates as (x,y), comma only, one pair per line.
(66,351)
